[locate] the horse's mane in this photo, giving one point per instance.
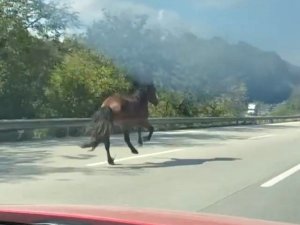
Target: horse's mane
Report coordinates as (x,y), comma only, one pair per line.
(138,95)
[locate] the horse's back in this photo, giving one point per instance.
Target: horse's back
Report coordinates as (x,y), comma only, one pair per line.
(126,108)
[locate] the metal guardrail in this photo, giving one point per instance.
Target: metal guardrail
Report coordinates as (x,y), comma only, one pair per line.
(191,120)
(24,124)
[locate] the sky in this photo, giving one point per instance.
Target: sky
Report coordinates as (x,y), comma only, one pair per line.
(271,25)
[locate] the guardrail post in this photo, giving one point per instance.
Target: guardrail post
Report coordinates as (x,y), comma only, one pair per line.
(68,132)
(20,134)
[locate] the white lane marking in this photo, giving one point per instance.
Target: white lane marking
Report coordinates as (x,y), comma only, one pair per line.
(281,176)
(137,157)
(180,132)
(261,137)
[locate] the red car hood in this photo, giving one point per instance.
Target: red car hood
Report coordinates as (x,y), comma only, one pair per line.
(113,215)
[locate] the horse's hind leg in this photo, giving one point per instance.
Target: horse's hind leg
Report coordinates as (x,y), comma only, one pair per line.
(127,140)
(91,144)
(110,160)
(94,146)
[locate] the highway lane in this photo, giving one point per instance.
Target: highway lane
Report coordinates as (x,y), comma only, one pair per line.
(216,170)
(279,202)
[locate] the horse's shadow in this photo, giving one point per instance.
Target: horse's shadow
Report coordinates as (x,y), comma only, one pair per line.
(176,162)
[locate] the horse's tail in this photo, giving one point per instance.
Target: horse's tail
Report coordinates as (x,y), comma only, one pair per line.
(101,127)
(102,122)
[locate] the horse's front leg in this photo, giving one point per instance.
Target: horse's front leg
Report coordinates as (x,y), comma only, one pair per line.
(150,128)
(127,140)
(140,139)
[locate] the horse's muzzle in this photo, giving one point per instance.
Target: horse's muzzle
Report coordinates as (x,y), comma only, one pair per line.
(155,102)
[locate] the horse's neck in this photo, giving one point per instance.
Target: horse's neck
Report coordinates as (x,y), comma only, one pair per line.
(141,96)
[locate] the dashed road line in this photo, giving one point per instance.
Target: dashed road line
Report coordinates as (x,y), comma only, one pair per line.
(138,157)
(281,176)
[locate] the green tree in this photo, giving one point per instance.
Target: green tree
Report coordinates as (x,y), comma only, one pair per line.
(291,106)
(82,81)
(46,19)
(174,103)
(168,104)
(232,103)
(29,48)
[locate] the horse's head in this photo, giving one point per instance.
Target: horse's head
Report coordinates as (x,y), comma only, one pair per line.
(146,92)
(151,94)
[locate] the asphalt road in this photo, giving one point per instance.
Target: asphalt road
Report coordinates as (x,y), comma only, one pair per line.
(248,171)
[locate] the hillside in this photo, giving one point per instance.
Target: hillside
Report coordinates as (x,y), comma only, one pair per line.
(185,62)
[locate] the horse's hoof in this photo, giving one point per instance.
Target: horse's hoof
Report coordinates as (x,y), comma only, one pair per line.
(140,144)
(134,151)
(84,146)
(111,161)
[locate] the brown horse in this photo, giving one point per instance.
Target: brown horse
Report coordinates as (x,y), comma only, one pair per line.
(126,112)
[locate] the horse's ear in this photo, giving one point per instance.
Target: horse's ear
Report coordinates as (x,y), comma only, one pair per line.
(135,84)
(151,84)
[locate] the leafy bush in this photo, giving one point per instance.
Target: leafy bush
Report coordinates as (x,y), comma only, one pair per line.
(81,82)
